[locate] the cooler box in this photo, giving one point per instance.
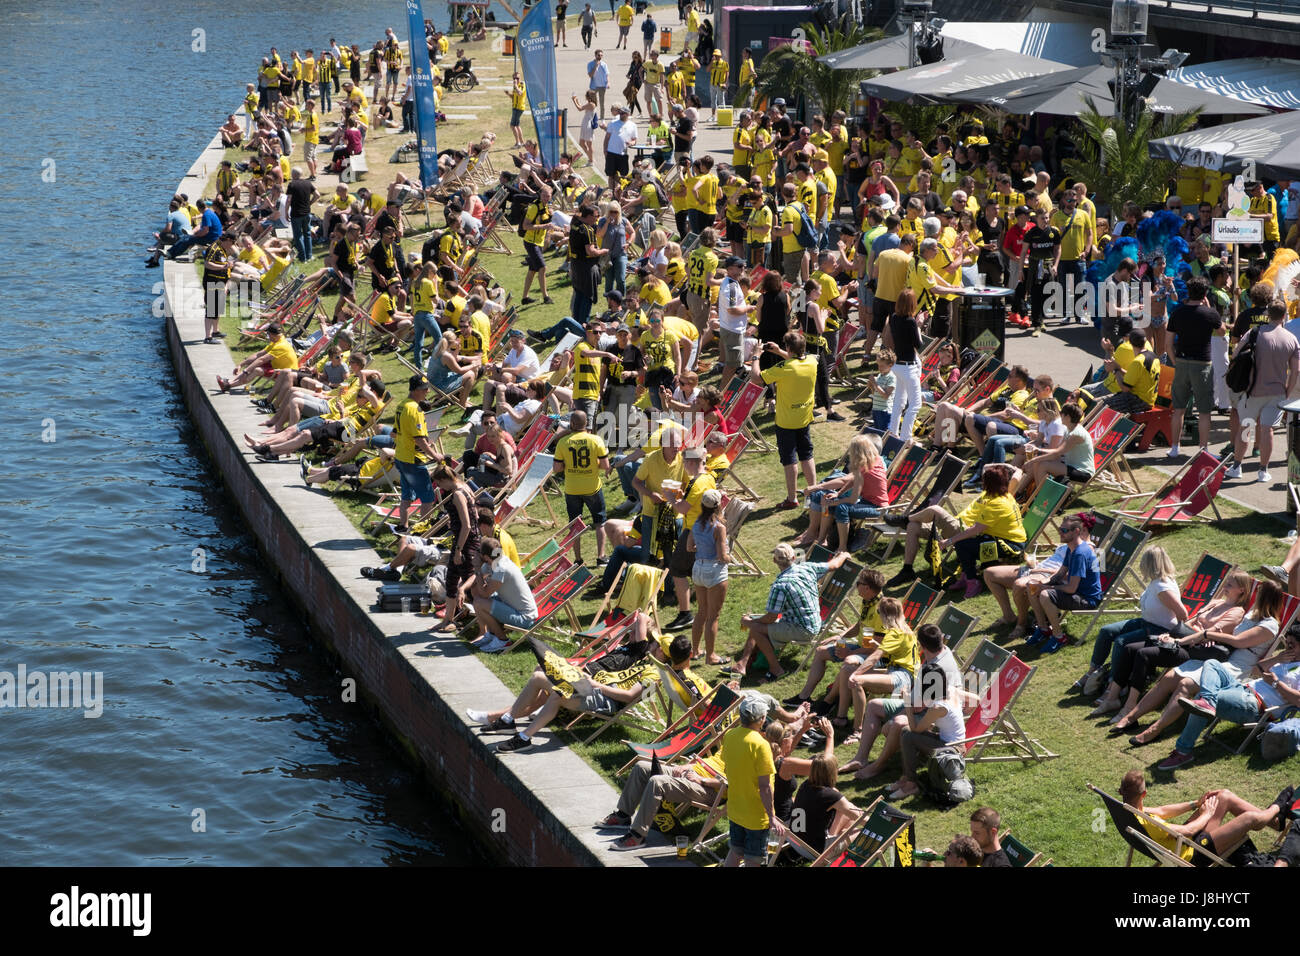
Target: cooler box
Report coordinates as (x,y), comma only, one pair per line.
(724,116)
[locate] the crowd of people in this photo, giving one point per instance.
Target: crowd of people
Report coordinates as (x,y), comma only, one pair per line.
(688,279)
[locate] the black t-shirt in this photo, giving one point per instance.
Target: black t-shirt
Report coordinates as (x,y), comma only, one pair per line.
(581,235)
(1042,243)
(991,233)
(1252,316)
(383,222)
(773,317)
(299,192)
(783,130)
(817,804)
(683,133)
(385,259)
(1194,326)
(996,858)
(907,337)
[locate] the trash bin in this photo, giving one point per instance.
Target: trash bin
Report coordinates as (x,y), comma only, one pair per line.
(665,40)
(982,324)
(507,46)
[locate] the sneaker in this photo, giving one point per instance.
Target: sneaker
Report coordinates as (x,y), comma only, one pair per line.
(624,508)
(302,466)
(973,587)
(494,645)
(616,819)
(1233,472)
(547,300)
(896,520)
(1284,803)
(477,716)
(682,621)
(1036,637)
(527,300)
(1036,332)
(602,561)
(498,726)
(223,384)
(906,576)
(1264,477)
(1055,643)
(957,585)
(218,335)
(793,701)
(1198,705)
(387,574)
(1277,573)
(209,341)
(1174,452)
(1175,760)
(632,841)
(834,417)
(514,744)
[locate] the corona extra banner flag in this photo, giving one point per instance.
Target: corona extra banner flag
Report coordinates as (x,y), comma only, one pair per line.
(536,47)
(426,113)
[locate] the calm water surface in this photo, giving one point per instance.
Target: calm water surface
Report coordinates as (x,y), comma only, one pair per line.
(215,697)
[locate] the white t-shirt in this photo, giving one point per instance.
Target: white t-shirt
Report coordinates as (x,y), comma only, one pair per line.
(1242,659)
(514,589)
(526,407)
(731,295)
(1155,611)
(1288,673)
(526,359)
(951,726)
(1050,430)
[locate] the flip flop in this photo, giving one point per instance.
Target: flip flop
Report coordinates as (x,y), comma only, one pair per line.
(731,671)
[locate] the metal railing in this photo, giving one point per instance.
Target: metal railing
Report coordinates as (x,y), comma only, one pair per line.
(1255,7)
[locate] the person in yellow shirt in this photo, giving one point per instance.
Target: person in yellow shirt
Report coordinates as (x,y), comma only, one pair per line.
(581,457)
(718,70)
(758,230)
(794,259)
(652,80)
(1263,205)
(518,94)
(675,84)
(745,80)
(310,136)
(794,380)
(827,186)
(750,772)
(687,63)
(763,161)
(476,335)
(623,17)
(1078,238)
(278,354)
(654,291)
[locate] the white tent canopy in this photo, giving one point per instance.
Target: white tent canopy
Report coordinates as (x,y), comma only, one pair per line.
(1070,42)
(1265,81)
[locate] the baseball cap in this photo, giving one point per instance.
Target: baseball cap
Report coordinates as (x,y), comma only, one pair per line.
(1022,210)
(821,155)
(947,211)
(515,333)
(752,709)
(711,498)
(623,327)
(417,382)
(733,261)
(783,550)
(778,102)
(695,454)
(615,295)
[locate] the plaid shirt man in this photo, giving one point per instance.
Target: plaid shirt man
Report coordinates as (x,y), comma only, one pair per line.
(795,595)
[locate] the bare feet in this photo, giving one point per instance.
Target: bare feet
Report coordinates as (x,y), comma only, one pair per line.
(1103,708)
(1004,621)
(715,660)
(867,772)
(850,767)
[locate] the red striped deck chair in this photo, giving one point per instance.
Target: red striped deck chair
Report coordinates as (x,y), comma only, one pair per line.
(918,601)
(731,392)
(552,549)
(904,476)
(737,417)
(558,597)
(1183,498)
(1111,434)
(699,430)
(880,833)
(695,732)
(1000,677)
(613,618)
(839,366)
(735,449)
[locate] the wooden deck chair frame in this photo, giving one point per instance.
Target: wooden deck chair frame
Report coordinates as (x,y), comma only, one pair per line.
(1125,586)
(1154,502)
(598,635)
(935,488)
(735,512)
(1001,729)
(895,820)
(1047,502)
(1111,468)
(1018,851)
(955,624)
(738,416)
(736,448)
(529,487)
(704,725)
(1144,843)
(834,590)
(630,714)
(558,597)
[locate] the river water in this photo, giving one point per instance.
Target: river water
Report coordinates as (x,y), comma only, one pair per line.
(223,738)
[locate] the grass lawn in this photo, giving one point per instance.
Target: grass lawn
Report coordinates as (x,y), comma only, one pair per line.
(1045,804)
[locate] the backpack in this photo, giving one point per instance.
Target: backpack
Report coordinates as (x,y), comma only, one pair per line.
(1240,376)
(945,781)
(664,199)
(429,251)
(807,234)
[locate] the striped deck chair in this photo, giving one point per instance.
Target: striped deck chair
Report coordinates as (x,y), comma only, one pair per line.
(640,713)
(1110,468)
(694,732)
(1120,586)
(832,591)
(558,596)
(943,480)
(839,365)
(955,624)
(737,416)
(551,548)
(1002,677)
(730,393)
(735,449)
(735,511)
(607,629)
(526,489)
(918,601)
(1040,511)
(1185,496)
(873,838)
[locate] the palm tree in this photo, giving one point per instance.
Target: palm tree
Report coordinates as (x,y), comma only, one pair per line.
(792,70)
(1115,163)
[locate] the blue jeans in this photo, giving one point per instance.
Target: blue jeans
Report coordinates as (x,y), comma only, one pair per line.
(751,844)
(997,448)
(324,95)
(617,273)
(581,307)
(184,242)
(301,226)
(1112,638)
(424,324)
(844,513)
(1232,701)
(626,472)
(561,328)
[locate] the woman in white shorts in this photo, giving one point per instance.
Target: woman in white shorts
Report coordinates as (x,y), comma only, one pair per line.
(708,541)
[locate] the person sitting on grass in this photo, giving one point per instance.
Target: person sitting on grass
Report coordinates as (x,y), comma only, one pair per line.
(1227,698)
(847,648)
(278,354)
(1208,826)
(553,688)
(793,611)
(993,516)
(1074,586)
(502,598)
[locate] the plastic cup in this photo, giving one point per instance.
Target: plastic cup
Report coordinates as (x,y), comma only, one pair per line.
(683,845)
(406,605)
